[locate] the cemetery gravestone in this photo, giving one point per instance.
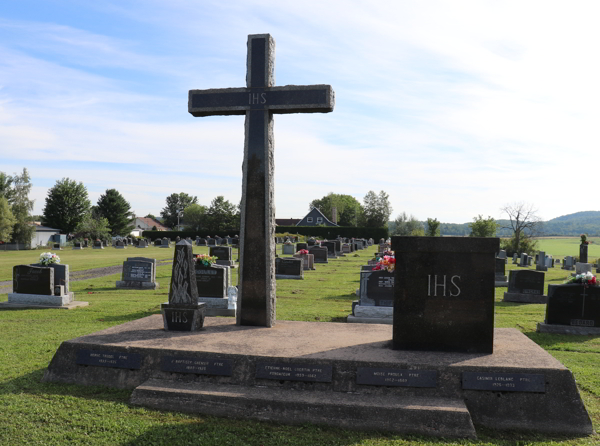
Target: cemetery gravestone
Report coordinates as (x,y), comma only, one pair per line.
(444,294)
(288,249)
(213,284)
(164,243)
(301,246)
(142,244)
(42,286)
(77,245)
(258,102)
(568,263)
(119,244)
(572,309)
(223,255)
(320,254)
(331,252)
(183,312)
(541,262)
(376,297)
(138,273)
(308,261)
(98,245)
(500,272)
(582,268)
(583,253)
(526,287)
(289,268)
(524,260)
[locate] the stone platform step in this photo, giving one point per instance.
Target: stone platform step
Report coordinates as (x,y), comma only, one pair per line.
(417,415)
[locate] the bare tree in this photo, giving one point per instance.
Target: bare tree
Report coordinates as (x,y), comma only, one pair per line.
(524,222)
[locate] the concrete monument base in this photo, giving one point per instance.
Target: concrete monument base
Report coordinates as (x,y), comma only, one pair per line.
(500,283)
(525,298)
(136,285)
(71,305)
(330,373)
(567,329)
(41,299)
(217,306)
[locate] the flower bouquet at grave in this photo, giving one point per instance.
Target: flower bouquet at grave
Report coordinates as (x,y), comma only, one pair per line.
(205,259)
(584,240)
(586,279)
(48,258)
(387,263)
(303,252)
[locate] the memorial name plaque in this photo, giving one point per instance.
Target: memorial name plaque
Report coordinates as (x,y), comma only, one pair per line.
(505,382)
(199,366)
(99,358)
(378,376)
(136,270)
(294,372)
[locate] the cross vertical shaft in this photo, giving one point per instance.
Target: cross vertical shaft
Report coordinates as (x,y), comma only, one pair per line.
(259,101)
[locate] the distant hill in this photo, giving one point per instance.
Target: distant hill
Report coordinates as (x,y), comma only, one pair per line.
(585,222)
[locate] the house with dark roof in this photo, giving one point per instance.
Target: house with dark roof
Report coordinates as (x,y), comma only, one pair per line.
(315,218)
(286,221)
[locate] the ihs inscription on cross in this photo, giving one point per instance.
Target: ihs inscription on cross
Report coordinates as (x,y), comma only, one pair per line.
(259,101)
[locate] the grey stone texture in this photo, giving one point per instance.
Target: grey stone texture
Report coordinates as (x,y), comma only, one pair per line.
(345,347)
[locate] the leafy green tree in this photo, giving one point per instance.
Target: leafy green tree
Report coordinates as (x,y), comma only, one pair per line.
(92,227)
(407,225)
(150,216)
(175,204)
(113,206)
(22,206)
(349,209)
(222,215)
(483,227)
(67,204)
(195,217)
(7,220)
(433,227)
(6,189)
(377,209)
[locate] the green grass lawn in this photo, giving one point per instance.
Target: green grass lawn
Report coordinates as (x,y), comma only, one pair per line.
(35,413)
(568,246)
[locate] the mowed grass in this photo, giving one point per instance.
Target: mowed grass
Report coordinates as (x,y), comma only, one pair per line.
(35,413)
(559,247)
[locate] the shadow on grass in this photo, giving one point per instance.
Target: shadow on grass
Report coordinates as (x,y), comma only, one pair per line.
(131,316)
(31,383)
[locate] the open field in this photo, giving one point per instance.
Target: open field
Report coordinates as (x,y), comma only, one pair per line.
(560,247)
(33,413)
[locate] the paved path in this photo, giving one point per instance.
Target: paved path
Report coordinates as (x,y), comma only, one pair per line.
(6,287)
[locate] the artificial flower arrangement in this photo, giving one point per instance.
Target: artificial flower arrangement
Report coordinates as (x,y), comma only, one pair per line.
(586,279)
(303,252)
(584,240)
(387,263)
(48,258)
(205,259)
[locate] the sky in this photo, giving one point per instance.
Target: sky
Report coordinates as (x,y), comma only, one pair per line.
(453,108)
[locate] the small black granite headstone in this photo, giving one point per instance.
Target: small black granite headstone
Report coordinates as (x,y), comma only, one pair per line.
(526,282)
(573,304)
(33,280)
(137,270)
(321,254)
(377,288)
(210,281)
(583,253)
(444,294)
(288,266)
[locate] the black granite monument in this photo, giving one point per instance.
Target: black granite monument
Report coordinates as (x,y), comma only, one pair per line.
(444,294)
(258,102)
(183,312)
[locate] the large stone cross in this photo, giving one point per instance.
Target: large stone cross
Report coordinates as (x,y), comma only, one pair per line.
(258,101)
